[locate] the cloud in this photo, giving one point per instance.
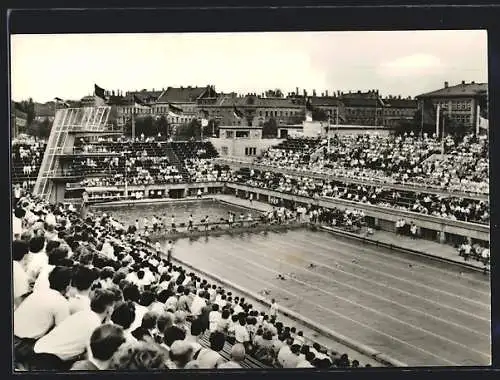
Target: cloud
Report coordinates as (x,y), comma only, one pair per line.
(412,65)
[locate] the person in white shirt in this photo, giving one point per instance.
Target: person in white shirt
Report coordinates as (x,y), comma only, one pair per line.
(39,312)
(210,358)
(55,256)
(273,309)
(104,342)
(17,223)
(81,284)
(214,318)
(170,247)
(69,339)
(240,332)
(36,259)
(198,304)
(19,276)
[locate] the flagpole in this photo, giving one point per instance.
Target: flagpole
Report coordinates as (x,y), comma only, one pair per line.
(133,124)
(478,110)
(437,120)
(328,133)
(422,122)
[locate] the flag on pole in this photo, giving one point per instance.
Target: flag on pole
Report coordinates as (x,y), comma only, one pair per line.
(100,95)
(204,118)
(174,111)
(237,113)
(61,101)
(140,103)
(482,122)
(309,110)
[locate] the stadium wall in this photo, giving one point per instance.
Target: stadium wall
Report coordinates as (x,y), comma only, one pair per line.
(236,147)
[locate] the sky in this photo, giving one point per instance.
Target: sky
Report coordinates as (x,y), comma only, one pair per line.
(405,63)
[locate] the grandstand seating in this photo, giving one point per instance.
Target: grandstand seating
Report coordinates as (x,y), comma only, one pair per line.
(111,261)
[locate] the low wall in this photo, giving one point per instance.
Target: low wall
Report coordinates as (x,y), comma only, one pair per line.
(440,225)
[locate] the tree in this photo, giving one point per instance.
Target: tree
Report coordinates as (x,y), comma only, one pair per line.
(319,115)
(270,128)
(276,93)
(190,130)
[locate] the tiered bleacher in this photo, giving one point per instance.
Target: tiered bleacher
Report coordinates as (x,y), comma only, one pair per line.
(450,207)
(404,159)
(92,295)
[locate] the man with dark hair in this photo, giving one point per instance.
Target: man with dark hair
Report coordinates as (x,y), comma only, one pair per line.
(172,334)
(19,276)
(83,279)
(56,257)
(17,223)
(124,315)
(210,358)
(36,259)
(68,340)
(39,312)
(104,342)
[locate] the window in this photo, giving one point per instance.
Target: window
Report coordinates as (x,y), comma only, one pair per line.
(242,134)
(224,150)
(229,134)
(250,151)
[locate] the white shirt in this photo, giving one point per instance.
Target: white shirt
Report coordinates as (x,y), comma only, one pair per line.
(241,333)
(79,302)
(70,338)
(214,317)
(139,313)
(21,280)
(197,304)
(17,226)
(42,281)
(35,262)
(39,312)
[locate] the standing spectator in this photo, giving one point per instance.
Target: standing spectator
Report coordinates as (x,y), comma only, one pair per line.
(273,310)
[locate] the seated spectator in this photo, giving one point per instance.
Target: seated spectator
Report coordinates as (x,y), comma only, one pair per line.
(123,315)
(237,356)
(50,308)
(139,356)
(20,278)
(210,358)
(104,342)
(81,283)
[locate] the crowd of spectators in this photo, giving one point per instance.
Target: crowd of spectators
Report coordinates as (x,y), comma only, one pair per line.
(430,204)
(404,159)
(88,295)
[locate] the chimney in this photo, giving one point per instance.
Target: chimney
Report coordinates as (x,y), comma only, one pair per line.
(304,92)
(326,93)
(445,84)
(463,82)
(472,82)
(322,94)
(297,91)
(314,92)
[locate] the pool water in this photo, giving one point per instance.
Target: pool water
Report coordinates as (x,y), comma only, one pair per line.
(128,214)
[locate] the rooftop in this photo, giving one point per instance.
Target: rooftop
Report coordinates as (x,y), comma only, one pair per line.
(462,89)
(185,94)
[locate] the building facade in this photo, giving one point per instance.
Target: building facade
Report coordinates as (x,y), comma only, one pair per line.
(459,102)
